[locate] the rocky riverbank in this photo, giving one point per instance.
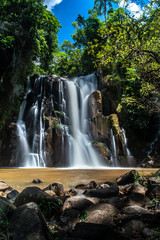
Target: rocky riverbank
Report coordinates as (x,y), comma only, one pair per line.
(126,209)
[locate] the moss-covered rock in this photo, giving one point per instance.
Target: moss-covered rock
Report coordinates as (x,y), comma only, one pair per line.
(103,151)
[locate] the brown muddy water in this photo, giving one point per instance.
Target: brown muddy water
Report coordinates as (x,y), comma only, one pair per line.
(19,178)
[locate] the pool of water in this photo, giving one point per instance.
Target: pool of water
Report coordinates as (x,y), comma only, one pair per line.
(19,178)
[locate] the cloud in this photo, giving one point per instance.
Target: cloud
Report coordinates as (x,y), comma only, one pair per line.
(51,3)
(135,9)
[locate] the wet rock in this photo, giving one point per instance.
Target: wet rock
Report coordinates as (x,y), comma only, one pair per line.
(94,200)
(78,203)
(134,228)
(117,202)
(103,192)
(37,180)
(110,209)
(103,185)
(99,217)
(154,180)
(72,192)
(6,210)
(138,188)
(103,151)
(127,178)
(4,186)
(50,192)
(149,233)
(153,191)
(69,215)
(33,194)
(124,189)
(28,223)
(95,104)
(90,185)
(57,188)
(137,199)
(134,210)
(12,195)
(90,231)
(156,174)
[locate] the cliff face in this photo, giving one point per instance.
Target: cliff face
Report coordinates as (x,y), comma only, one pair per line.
(47,119)
(143,143)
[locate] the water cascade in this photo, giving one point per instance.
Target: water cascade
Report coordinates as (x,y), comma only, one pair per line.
(54,126)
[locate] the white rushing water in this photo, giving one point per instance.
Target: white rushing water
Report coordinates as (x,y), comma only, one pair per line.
(81,152)
(66,104)
(31,155)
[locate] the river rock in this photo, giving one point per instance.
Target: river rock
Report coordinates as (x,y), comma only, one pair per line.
(103,192)
(117,202)
(57,188)
(149,233)
(28,223)
(33,194)
(6,210)
(137,199)
(70,214)
(153,191)
(72,192)
(154,180)
(127,178)
(91,231)
(36,181)
(3,186)
(110,209)
(12,195)
(134,228)
(134,210)
(76,202)
(99,217)
(90,185)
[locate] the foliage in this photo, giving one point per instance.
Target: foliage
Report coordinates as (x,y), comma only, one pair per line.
(28,40)
(127,52)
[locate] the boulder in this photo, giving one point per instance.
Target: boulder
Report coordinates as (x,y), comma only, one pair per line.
(3,186)
(72,192)
(103,192)
(57,188)
(154,180)
(129,177)
(90,185)
(69,215)
(76,202)
(117,201)
(153,191)
(149,233)
(99,217)
(110,209)
(92,231)
(33,194)
(36,181)
(12,195)
(137,199)
(134,210)
(6,210)
(134,228)
(28,223)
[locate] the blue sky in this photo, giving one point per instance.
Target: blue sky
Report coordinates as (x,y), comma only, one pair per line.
(67,11)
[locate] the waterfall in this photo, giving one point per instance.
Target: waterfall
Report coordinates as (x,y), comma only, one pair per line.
(114,159)
(82,153)
(54,125)
(30,128)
